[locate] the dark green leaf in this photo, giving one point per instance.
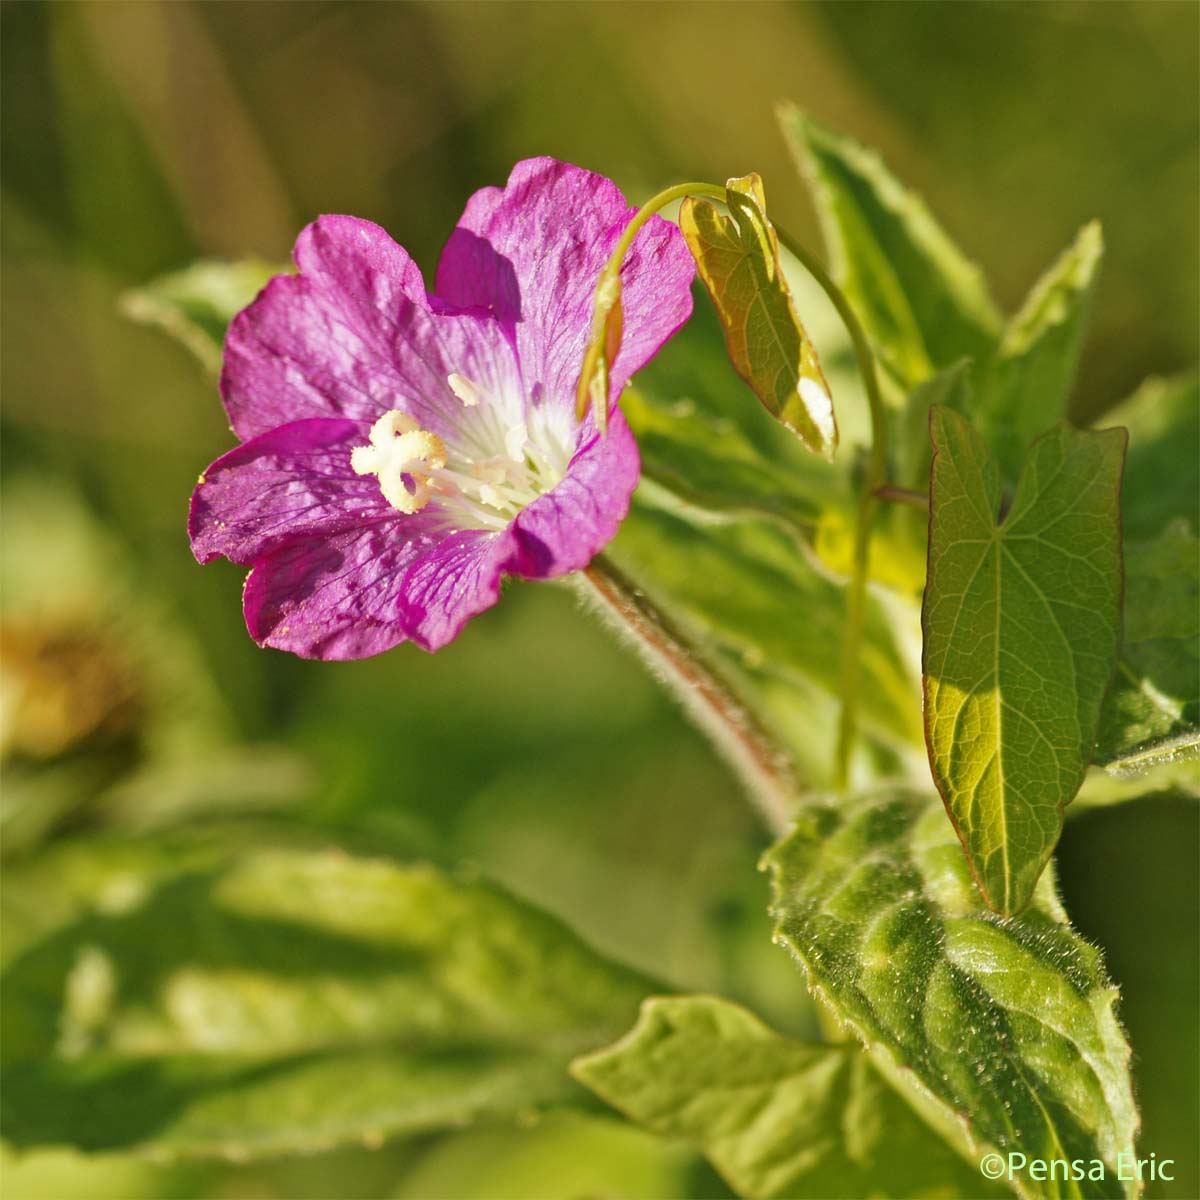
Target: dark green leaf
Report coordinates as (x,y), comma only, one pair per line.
(776,1116)
(1004,1026)
(1021,620)
(923,304)
(738,260)
(291,1000)
(1024,389)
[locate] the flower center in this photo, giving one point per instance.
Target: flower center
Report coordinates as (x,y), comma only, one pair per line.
(401,451)
(487,474)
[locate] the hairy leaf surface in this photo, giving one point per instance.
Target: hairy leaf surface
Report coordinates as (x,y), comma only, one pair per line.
(1004,1025)
(776,1116)
(287,1000)
(923,304)
(738,259)
(1021,620)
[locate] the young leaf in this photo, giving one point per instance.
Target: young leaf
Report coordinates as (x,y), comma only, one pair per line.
(1004,1025)
(738,259)
(777,1117)
(1025,387)
(1153,707)
(923,304)
(1021,620)
(195,305)
(286,1000)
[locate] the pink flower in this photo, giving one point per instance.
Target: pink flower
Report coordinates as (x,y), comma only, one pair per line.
(402,450)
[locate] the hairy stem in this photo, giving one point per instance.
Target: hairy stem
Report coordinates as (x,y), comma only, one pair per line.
(708,697)
(876,478)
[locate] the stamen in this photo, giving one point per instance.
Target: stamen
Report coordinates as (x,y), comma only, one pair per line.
(469,393)
(514,442)
(400,447)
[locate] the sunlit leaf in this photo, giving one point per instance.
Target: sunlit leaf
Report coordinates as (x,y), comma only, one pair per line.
(776,1116)
(290,1000)
(195,305)
(738,259)
(1021,620)
(1153,707)
(1024,389)
(923,304)
(1003,1026)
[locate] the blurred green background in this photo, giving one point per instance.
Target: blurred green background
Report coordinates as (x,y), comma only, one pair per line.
(140,136)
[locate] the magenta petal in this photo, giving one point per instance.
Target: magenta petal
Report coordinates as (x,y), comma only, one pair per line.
(566,528)
(293,483)
(335,597)
(533,252)
(445,588)
(353,335)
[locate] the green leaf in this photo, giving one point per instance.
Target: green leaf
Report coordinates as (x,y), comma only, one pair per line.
(753,602)
(708,461)
(776,1116)
(923,304)
(195,305)
(1162,472)
(1025,387)
(738,260)
(1021,620)
(563,1155)
(1153,708)
(1004,1027)
(913,451)
(269,1003)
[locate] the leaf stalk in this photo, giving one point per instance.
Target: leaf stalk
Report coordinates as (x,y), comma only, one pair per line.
(710,698)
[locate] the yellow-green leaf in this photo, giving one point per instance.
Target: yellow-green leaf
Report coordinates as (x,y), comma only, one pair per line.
(923,303)
(738,259)
(1025,387)
(1021,621)
(776,1116)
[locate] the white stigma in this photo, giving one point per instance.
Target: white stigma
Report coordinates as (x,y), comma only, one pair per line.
(400,447)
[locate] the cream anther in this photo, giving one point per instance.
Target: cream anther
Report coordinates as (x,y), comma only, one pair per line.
(469,393)
(514,442)
(400,447)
